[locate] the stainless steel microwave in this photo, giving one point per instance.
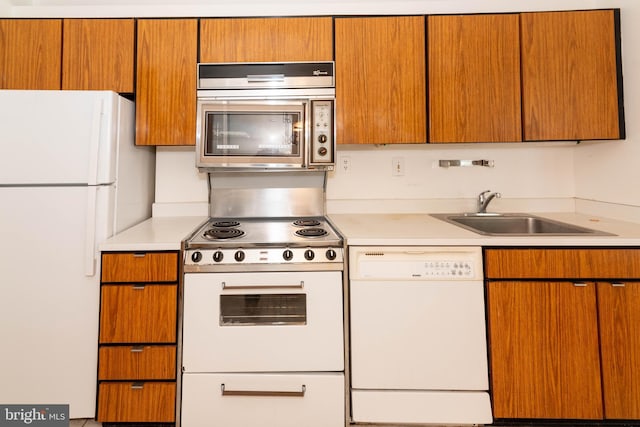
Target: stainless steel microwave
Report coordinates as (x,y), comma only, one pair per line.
(266,116)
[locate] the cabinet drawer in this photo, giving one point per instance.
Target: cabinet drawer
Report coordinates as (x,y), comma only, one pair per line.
(265,400)
(562,263)
(138,314)
(137,363)
(137,402)
(140,267)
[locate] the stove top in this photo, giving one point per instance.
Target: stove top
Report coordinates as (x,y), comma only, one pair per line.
(278,244)
(265,232)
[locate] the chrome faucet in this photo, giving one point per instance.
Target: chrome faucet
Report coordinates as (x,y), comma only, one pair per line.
(483,201)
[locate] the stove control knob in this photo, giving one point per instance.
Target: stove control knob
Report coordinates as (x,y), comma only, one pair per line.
(196,256)
(287,255)
(218,256)
(331,254)
(239,256)
(309,255)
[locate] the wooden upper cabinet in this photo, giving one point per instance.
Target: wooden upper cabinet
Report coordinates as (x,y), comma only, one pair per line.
(380,80)
(30,53)
(98,54)
(266,39)
(167,52)
(474,78)
(572,83)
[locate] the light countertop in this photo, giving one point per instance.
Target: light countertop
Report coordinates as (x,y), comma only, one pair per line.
(166,233)
(425,230)
(154,234)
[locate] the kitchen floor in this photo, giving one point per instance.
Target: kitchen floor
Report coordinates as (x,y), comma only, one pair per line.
(86,422)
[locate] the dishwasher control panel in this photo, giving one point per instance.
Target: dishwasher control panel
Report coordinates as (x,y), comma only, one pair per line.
(415,263)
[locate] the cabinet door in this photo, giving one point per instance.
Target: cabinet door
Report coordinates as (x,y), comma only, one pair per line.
(98,54)
(380,80)
(572,82)
(619,316)
(544,350)
(30,53)
(166,81)
(138,314)
(474,78)
(266,39)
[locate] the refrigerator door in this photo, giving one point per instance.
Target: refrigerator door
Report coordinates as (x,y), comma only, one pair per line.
(58,137)
(48,305)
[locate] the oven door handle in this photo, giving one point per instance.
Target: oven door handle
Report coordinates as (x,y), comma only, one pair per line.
(300,285)
(272,393)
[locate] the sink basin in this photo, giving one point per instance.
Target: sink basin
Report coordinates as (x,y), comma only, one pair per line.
(516,225)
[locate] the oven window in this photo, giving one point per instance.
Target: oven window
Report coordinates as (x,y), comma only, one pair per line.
(265,309)
(260,133)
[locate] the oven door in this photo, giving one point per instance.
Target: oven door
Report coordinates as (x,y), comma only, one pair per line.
(251,133)
(263,322)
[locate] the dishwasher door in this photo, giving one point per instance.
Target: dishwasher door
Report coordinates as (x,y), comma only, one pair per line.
(418,335)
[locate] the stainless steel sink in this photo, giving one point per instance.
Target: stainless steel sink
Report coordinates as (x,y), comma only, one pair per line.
(516,224)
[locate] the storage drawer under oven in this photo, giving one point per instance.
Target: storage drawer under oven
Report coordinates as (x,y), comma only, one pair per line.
(267,400)
(263,322)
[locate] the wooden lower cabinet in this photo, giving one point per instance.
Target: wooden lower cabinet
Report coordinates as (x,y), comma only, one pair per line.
(544,350)
(137,402)
(137,366)
(563,333)
(619,315)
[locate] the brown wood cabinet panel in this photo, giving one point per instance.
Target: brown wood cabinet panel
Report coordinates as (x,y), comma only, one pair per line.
(137,402)
(167,57)
(569,75)
(30,53)
(266,39)
(544,350)
(516,263)
(380,80)
(140,267)
(145,362)
(474,78)
(619,316)
(98,54)
(135,314)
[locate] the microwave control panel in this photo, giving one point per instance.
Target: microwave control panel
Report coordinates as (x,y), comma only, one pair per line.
(322,146)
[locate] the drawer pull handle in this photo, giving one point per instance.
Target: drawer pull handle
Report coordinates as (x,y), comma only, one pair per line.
(137,349)
(137,386)
(139,255)
(580,285)
(272,393)
(138,287)
(618,285)
(291,286)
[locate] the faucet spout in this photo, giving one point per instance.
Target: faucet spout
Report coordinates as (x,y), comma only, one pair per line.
(483,200)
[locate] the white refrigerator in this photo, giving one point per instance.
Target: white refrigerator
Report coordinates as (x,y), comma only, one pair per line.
(70,177)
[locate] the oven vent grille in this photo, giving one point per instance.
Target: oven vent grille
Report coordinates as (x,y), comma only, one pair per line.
(374,253)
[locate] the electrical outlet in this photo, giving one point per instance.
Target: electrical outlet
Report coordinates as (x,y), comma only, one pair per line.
(345,164)
(397,166)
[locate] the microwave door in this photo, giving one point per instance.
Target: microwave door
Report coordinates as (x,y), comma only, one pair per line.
(254,134)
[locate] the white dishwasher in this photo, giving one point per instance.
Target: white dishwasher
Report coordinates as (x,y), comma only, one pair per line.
(418,338)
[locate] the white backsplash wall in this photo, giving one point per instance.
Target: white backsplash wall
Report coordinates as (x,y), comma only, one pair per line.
(541,176)
(521,173)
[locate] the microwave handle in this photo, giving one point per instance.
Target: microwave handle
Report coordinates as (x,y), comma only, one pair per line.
(265,78)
